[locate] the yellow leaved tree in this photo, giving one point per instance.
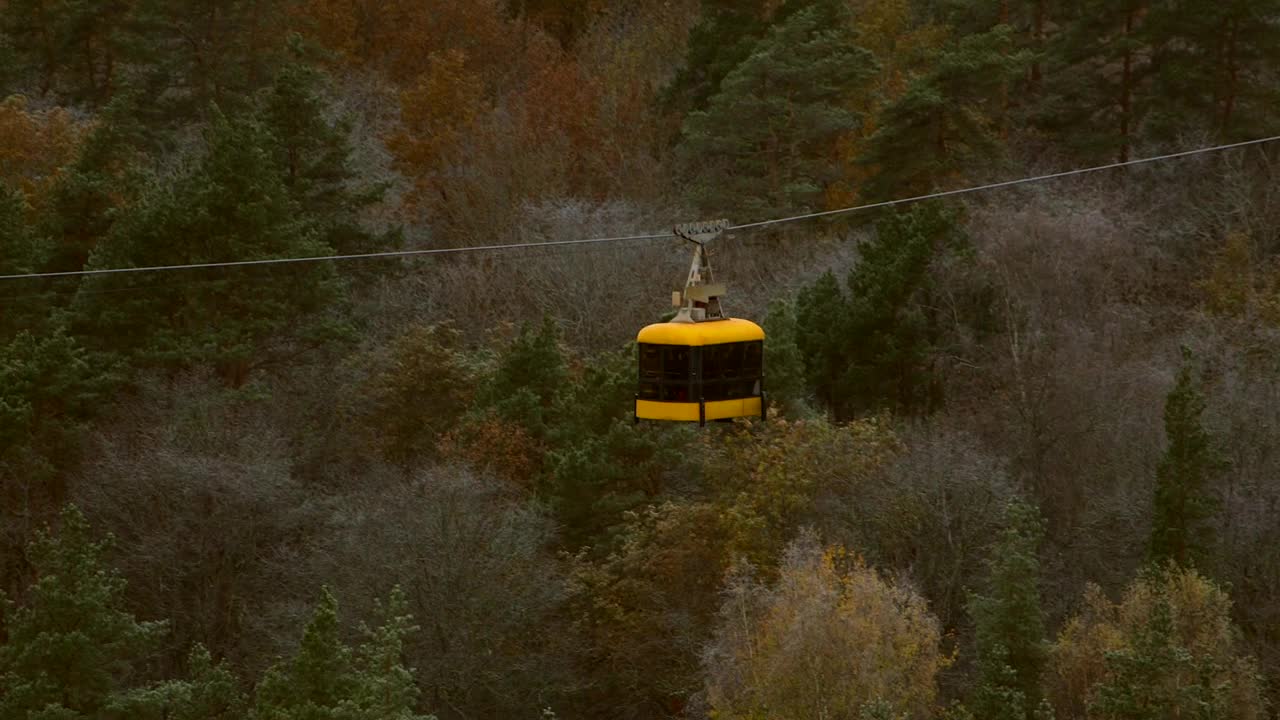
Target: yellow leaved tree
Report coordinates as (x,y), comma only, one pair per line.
(1240,284)
(767,480)
(1168,648)
(35,145)
(831,639)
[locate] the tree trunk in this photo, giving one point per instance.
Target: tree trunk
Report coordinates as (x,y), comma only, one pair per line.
(1003,121)
(1126,87)
(1230,91)
(1037,33)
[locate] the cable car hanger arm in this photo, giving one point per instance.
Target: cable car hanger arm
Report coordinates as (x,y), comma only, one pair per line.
(701,298)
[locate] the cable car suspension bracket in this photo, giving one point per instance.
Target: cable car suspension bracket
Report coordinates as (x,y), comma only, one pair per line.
(700,300)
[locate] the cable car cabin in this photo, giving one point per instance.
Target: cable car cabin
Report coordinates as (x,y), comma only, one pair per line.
(700,371)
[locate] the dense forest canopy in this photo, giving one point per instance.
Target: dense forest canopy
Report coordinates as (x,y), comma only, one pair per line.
(1023,455)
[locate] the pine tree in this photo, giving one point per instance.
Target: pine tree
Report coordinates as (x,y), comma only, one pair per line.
(1212,68)
(726,33)
(327,680)
(74,49)
(821,337)
(71,646)
(1184,502)
(1009,625)
(529,379)
(1097,94)
(866,348)
(1137,685)
(89,194)
(763,143)
(195,55)
(22,250)
(947,121)
(233,205)
(314,151)
(212,692)
(49,389)
(783,360)
(597,478)
(387,690)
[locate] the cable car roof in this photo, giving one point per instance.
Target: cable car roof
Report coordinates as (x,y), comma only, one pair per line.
(710,332)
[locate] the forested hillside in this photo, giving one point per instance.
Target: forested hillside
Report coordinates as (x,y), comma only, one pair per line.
(1023,453)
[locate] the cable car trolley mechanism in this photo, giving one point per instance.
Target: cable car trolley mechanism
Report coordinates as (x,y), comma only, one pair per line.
(700,365)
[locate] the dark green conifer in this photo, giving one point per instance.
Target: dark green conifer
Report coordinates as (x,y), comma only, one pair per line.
(233,205)
(1008,622)
(313,150)
(529,379)
(1212,68)
(71,647)
(866,348)
(947,122)
(821,338)
(327,680)
(211,692)
(783,361)
(726,33)
(762,145)
(1184,505)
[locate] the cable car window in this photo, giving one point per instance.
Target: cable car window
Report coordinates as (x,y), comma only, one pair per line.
(676,392)
(675,362)
(650,361)
(713,362)
(752,359)
(732,360)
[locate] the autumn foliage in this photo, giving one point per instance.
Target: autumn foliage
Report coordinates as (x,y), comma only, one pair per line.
(35,146)
(1020,455)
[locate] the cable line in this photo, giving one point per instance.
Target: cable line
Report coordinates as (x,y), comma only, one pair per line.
(1006,183)
(659,236)
(322,258)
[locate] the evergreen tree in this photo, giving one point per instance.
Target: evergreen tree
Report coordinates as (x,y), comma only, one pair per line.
(866,349)
(21,253)
(48,391)
(763,144)
(74,49)
(88,196)
(327,680)
(212,692)
(1184,502)
(821,337)
(1137,685)
(387,690)
(1094,110)
(597,478)
(318,679)
(71,647)
(947,120)
(529,379)
(314,151)
(1009,625)
(726,33)
(783,361)
(22,250)
(233,205)
(1212,68)
(43,381)
(193,56)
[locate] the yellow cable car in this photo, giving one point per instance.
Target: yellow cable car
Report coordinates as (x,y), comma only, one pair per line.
(700,365)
